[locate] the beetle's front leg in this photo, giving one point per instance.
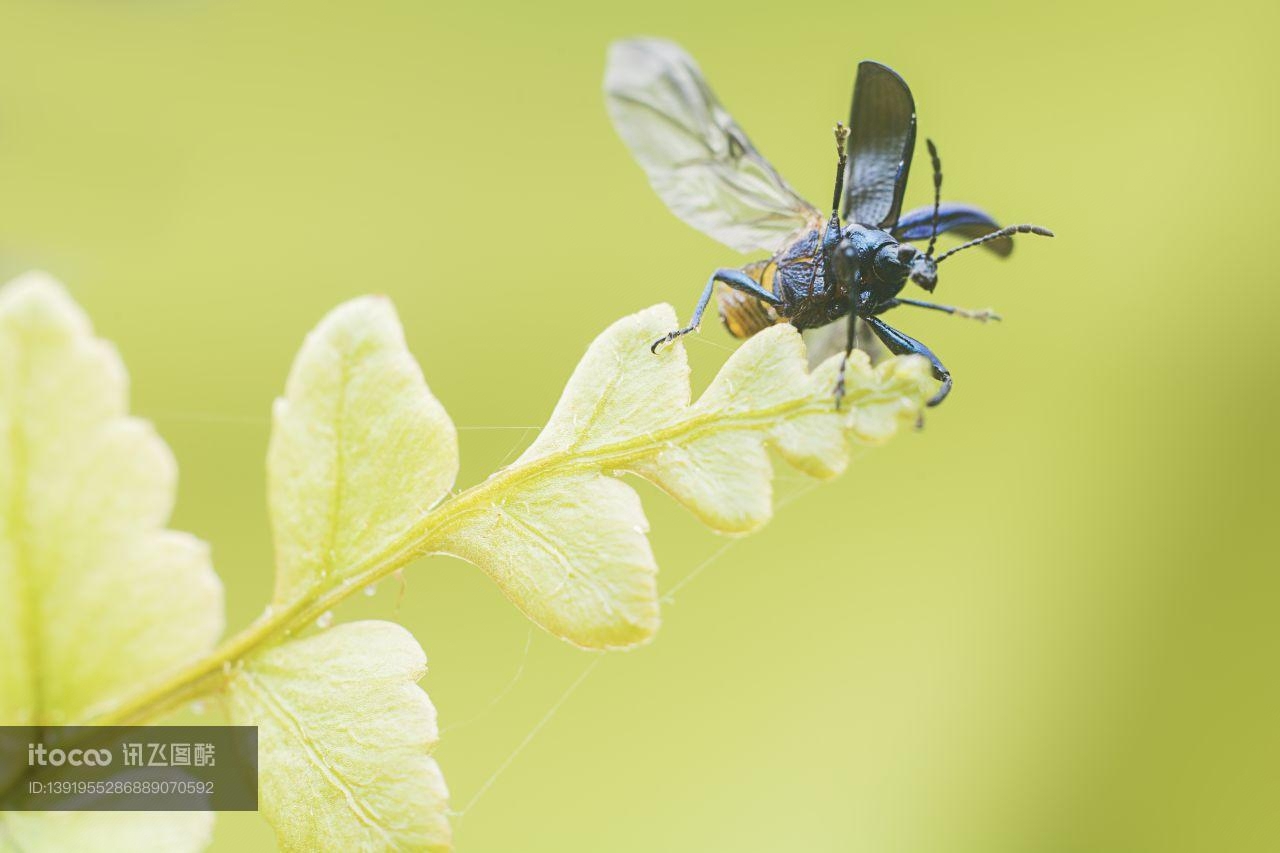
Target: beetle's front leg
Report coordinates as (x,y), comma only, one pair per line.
(981,315)
(738,280)
(844,362)
(856,303)
(900,344)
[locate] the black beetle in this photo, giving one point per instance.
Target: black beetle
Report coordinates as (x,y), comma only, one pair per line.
(710,175)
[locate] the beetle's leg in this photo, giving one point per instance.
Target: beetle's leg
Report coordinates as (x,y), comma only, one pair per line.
(982,315)
(842,159)
(831,233)
(844,362)
(738,280)
(900,344)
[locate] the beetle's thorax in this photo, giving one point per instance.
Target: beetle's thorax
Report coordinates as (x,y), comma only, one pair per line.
(867,264)
(798,276)
(821,278)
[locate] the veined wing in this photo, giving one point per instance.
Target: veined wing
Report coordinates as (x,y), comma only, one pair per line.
(698,160)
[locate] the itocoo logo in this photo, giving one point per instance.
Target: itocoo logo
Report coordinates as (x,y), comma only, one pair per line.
(40,755)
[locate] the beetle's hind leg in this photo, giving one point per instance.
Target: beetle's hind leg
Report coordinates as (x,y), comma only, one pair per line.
(738,280)
(900,344)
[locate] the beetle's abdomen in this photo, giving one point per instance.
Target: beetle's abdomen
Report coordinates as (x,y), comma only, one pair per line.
(794,275)
(742,314)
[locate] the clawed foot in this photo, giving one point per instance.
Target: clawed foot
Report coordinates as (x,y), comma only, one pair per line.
(942,392)
(981,316)
(670,336)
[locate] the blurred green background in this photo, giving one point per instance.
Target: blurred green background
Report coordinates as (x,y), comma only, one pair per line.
(1045,623)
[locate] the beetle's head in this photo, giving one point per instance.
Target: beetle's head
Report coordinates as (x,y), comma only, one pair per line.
(924,271)
(879,262)
(924,265)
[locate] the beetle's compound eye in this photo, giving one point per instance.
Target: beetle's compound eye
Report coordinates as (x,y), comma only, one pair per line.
(907,253)
(893,262)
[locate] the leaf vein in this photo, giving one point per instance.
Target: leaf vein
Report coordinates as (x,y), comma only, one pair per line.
(279,708)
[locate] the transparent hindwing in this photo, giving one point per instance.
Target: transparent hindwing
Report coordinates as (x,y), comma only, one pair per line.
(696,156)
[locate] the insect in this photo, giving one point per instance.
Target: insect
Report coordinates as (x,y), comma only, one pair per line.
(852,265)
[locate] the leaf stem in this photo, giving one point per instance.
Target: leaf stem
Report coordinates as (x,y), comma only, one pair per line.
(208,675)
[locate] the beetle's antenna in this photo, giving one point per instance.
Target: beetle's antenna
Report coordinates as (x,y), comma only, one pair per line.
(937,195)
(1007,231)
